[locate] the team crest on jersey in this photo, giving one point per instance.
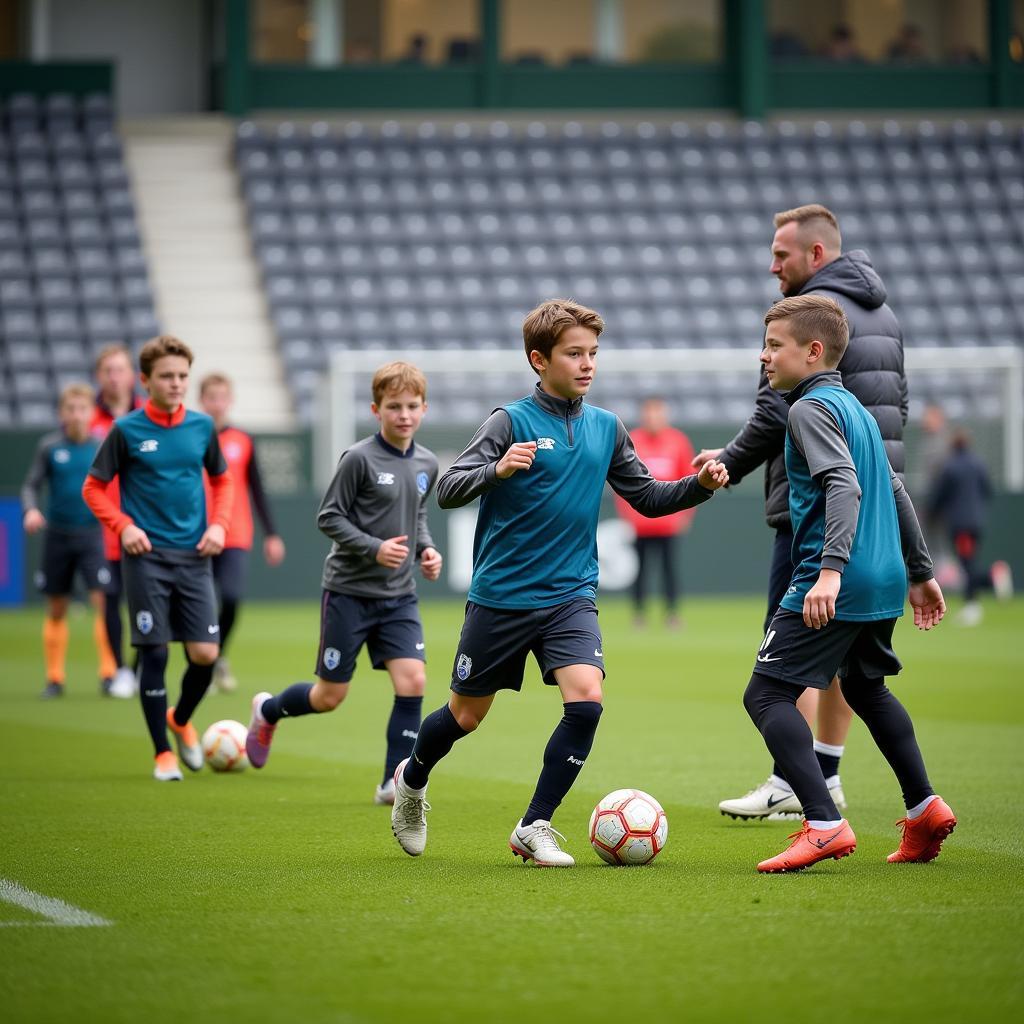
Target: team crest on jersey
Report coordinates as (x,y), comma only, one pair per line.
(464,666)
(144,620)
(545,444)
(422,482)
(387,479)
(332,656)
(149,445)
(61,455)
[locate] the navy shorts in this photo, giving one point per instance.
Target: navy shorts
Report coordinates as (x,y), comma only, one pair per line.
(170,597)
(492,649)
(389,626)
(67,553)
(797,653)
(230,569)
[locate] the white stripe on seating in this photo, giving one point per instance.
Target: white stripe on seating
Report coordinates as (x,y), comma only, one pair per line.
(56,911)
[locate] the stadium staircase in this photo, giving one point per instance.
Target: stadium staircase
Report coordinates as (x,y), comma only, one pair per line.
(205,280)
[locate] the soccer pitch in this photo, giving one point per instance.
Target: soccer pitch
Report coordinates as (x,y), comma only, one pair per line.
(281,895)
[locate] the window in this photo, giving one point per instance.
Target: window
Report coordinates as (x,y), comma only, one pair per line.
(899,32)
(539,32)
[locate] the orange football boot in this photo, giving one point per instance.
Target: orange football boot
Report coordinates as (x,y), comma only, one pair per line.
(187,740)
(923,836)
(810,845)
(166,767)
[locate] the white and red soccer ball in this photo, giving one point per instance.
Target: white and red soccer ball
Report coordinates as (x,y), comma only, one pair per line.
(628,827)
(224,746)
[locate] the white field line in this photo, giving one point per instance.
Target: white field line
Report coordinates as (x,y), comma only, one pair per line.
(57,912)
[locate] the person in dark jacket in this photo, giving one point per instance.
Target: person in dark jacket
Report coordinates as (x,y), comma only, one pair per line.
(960,498)
(807,259)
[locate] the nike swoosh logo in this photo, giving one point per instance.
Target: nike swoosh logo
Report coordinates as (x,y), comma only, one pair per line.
(213,629)
(822,843)
(598,654)
(772,803)
(765,657)
(419,647)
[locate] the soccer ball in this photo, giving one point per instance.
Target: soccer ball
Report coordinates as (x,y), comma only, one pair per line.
(224,746)
(628,827)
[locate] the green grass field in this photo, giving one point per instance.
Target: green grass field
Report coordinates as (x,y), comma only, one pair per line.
(281,896)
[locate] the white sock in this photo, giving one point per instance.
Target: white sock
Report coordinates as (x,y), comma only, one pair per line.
(832,780)
(918,809)
(820,825)
(828,748)
(781,784)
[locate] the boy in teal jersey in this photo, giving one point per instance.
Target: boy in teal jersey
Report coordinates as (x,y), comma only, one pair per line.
(539,467)
(159,453)
(855,539)
(73,543)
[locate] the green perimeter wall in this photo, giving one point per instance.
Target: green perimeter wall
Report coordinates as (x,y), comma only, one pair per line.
(727,550)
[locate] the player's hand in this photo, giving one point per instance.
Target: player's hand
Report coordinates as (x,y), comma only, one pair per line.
(430,563)
(134,540)
(34,521)
(212,541)
(928,603)
(820,602)
(704,456)
(519,456)
(273,550)
(713,475)
(393,552)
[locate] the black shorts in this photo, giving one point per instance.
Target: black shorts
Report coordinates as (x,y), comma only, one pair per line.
(230,569)
(67,553)
(492,649)
(389,626)
(115,584)
(796,653)
(170,597)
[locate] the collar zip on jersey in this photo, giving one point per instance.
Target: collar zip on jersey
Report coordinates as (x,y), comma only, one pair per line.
(164,419)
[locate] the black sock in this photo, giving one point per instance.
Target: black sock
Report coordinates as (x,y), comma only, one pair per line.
(153,693)
(438,733)
(290,703)
(829,764)
(771,704)
(564,758)
(403,728)
(228,614)
(893,732)
(115,628)
(194,684)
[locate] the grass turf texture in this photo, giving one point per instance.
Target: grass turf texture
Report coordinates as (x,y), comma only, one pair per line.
(281,895)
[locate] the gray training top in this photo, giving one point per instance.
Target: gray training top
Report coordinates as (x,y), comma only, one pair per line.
(378,492)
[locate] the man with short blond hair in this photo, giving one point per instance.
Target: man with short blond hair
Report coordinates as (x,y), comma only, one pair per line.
(807,259)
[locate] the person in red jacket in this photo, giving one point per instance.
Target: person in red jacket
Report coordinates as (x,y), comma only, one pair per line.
(667,453)
(230,566)
(115,396)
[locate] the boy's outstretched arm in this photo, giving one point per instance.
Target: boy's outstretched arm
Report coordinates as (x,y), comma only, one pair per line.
(475,471)
(632,480)
(925,594)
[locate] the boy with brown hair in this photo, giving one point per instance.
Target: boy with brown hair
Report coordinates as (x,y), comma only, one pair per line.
(159,453)
(72,543)
(375,512)
(853,525)
(539,467)
(231,565)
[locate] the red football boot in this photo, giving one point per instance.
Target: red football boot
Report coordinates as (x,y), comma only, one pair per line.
(810,845)
(923,836)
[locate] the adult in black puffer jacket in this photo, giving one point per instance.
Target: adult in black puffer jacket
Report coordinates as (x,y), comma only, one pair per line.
(807,258)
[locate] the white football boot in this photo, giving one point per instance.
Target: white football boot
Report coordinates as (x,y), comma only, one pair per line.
(760,802)
(222,677)
(409,815)
(537,842)
(385,794)
(124,685)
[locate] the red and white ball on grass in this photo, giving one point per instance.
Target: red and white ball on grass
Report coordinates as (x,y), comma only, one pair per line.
(628,827)
(224,746)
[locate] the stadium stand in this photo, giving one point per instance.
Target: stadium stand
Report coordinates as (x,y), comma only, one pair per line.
(443,234)
(72,270)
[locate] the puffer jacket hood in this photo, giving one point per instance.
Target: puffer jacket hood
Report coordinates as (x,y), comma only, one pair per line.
(851,275)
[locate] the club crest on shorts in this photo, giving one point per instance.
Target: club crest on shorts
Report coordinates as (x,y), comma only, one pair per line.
(464,666)
(144,621)
(332,657)
(545,444)
(103,575)
(422,482)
